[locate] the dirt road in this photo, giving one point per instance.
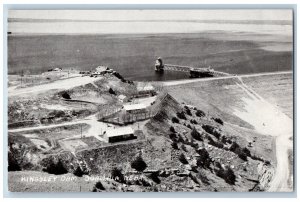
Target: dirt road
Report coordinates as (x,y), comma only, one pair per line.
(59,84)
(269,120)
(179,82)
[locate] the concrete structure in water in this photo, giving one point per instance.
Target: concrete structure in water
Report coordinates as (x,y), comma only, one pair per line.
(120,134)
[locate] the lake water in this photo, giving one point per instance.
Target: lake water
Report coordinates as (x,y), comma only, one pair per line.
(131,48)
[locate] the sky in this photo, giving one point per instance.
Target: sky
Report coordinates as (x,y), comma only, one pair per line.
(241,14)
(147,21)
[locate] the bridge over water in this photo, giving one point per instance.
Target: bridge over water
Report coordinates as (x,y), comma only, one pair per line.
(189,69)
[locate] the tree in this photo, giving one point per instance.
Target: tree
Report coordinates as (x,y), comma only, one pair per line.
(172,129)
(200,113)
(139,164)
(111,91)
(117,175)
(183,159)
(78,172)
(99,185)
(204,159)
(196,135)
(181,115)
(175,120)
(218,120)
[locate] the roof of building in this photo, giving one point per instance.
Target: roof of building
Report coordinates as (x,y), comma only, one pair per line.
(120,131)
(121,97)
(134,107)
(147,87)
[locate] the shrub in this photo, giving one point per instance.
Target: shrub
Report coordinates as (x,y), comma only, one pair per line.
(78,172)
(55,168)
(189,126)
(242,153)
(99,185)
(224,139)
(218,120)
(117,175)
(193,121)
(111,91)
(181,115)
(246,151)
(173,137)
(183,147)
(200,113)
(188,111)
(212,130)
(66,95)
(13,164)
(175,120)
(183,159)
(203,177)
(174,145)
(172,129)
(230,176)
(196,135)
(234,146)
(204,160)
(155,178)
(139,164)
(214,143)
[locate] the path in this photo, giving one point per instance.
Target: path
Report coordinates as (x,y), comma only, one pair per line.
(179,82)
(269,120)
(59,84)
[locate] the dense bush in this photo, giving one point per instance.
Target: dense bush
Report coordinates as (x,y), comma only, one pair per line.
(174,145)
(188,111)
(66,95)
(172,129)
(227,174)
(193,121)
(218,120)
(99,185)
(13,164)
(183,147)
(200,113)
(242,153)
(204,159)
(203,177)
(55,168)
(181,115)
(196,135)
(173,137)
(78,172)
(117,175)
(214,143)
(183,159)
(139,164)
(212,130)
(175,120)
(111,91)
(154,177)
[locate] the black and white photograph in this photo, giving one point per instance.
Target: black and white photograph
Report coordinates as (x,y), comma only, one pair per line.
(150,100)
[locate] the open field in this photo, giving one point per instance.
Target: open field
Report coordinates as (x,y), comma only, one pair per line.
(134,55)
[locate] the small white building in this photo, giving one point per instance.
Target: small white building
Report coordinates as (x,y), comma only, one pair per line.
(135,108)
(119,134)
(122,98)
(147,89)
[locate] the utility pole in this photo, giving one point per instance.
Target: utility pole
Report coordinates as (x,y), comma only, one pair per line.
(81,131)
(22,74)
